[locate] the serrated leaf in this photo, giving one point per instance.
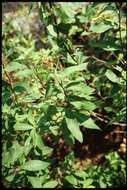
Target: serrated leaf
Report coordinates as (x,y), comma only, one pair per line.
(112,76)
(22,126)
(74,128)
(35,165)
(50,184)
(71,179)
(90,124)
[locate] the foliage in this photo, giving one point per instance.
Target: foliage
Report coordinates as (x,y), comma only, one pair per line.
(112,174)
(57,90)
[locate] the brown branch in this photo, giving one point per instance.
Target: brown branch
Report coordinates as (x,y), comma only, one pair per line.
(99,117)
(102,62)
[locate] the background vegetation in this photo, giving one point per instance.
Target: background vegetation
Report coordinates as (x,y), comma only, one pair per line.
(63,95)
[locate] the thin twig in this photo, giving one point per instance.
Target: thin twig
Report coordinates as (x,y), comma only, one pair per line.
(119,131)
(97,116)
(103,62)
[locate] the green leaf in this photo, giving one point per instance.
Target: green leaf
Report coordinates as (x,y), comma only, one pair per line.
(37,140)
(22,86)
(81,116)
(13,66)
(23,73)
(62,14)
(107,45)
(102,183)
(19,88)
(74,128)
(81,174)
(69,139)
(49,89)
(80,87)
(35,181)
(71,179)
(28,146)
(54,130)
(31,119)
(84,105)
(90,124)
(70,70)
(50,184)
(70,60)
(112,76)
(85,33)
(87,183)
(10,178)
(74,29)
(100,28)
(14,153)
(6,97)
(22,126)
(46,150)
(35,165)
(51,30)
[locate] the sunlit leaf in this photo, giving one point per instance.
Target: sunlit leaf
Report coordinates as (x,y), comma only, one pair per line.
(74,128)
(71,179)
(90,124)
(50,184)
(51,30)
(100,28)
(22,126)
(112,76)
(35,165)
